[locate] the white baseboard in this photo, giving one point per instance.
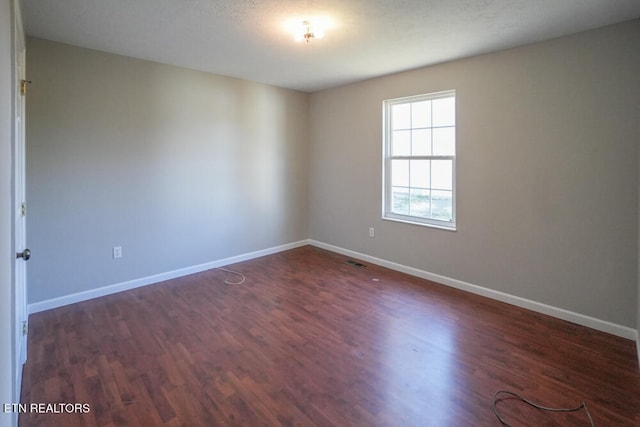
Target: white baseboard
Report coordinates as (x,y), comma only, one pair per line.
(144,281)
(591,322)
(560,313)
(638,346)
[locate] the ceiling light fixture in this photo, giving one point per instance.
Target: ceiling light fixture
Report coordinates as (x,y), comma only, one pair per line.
(308,32)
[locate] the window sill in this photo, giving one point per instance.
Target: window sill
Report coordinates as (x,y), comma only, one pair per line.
(451,227)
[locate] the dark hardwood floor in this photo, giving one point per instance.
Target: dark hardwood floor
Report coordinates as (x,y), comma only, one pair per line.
(308,340)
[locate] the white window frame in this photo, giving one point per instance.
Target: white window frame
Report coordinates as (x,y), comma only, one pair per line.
(387,212)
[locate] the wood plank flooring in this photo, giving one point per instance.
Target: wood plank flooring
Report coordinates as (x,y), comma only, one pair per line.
(308,340)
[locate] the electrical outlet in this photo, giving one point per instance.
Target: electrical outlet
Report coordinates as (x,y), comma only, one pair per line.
(117,252)
(372,232)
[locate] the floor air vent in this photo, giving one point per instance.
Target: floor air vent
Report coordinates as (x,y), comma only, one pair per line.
(355,263)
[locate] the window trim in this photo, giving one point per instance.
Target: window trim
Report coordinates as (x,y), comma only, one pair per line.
(387,214)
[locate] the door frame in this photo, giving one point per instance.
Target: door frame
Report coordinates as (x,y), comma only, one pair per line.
(19,208)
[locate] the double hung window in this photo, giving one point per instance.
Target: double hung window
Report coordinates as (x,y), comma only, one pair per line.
(419,159)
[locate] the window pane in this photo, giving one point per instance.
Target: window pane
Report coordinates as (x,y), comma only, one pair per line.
(442,205)
(419,171)
(442,174)
(421,142)
(444,141)
(420,158)
(400,173)
(401,143)
(400,200)
(401,116)
(419,203)
(421,114)
(444,112)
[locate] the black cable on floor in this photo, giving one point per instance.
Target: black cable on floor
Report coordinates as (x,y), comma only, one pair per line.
(513,395)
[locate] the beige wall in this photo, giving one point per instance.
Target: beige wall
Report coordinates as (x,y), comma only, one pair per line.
(160,159)
(178,167)
(547,172)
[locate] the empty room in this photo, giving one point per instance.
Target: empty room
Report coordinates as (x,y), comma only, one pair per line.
(340,213)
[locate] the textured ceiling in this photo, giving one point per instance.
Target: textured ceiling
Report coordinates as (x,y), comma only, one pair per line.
(367,38)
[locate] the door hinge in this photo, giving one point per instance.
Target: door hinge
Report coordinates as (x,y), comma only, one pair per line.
(23,209)
(25,328)
(23,86)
